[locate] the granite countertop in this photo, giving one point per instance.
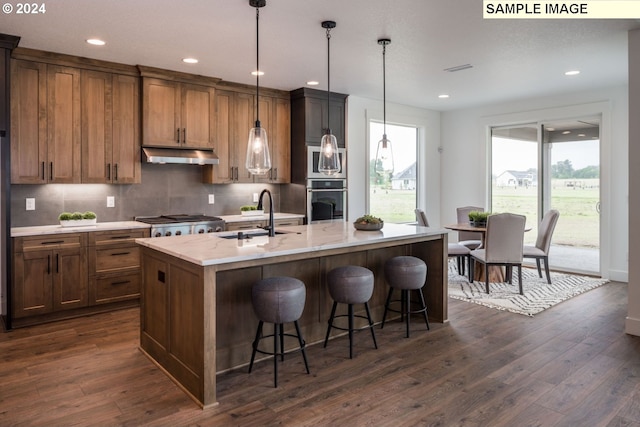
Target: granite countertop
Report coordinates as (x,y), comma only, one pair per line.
(245,218)
(212,248)
(39,230)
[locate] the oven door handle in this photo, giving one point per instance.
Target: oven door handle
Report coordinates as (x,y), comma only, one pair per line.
(325,190)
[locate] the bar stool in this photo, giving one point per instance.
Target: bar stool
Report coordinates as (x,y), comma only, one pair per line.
(278,300)
(406,273)
(350,285)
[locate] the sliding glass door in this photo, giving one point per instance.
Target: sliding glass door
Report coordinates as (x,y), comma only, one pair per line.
(552,165)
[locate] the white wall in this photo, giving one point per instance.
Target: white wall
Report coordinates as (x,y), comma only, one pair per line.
(359,112)
(464,158)
(633,310)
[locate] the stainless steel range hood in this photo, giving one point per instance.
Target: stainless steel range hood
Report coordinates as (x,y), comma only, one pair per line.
(179,156)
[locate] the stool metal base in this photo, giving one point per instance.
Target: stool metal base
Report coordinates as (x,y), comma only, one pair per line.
(278,332)
(405,307)
(350,329)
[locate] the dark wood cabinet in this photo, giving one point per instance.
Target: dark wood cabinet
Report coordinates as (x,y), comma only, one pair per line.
(310,116)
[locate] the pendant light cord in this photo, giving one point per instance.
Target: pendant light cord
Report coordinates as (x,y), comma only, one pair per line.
(384,91)
(257,67)
(328,80)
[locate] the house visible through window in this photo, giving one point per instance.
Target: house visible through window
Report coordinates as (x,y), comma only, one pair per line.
(394,198)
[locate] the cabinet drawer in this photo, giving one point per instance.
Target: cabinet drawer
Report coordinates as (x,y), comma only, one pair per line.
(100,238)
(286,222)
(108,259)
(48,242)
(244,225)
(116,288)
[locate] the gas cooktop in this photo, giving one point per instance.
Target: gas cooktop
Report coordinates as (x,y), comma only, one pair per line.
(177,218)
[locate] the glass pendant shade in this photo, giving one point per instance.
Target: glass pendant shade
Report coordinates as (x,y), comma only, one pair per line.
(384,157)
(329,160)
(258,159)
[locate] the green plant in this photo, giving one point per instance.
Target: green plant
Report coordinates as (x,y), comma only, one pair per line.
(65,216)
(368,219)
(478,216)
(248,208)
(89,215)
(68,216)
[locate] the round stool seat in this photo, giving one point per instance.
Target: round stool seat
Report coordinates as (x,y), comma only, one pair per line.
(351,284)
(405,272)
(278,299)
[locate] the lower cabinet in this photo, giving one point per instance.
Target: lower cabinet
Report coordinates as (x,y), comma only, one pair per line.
(50,274)
(249,224)
(73,274)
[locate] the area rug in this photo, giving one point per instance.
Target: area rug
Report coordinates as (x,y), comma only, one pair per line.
(538,294)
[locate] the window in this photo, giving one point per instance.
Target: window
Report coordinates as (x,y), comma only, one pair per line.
(394,199)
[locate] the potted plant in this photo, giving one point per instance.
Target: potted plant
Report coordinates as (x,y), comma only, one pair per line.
(368,223)
(250,210)
(75,219)
(478,218)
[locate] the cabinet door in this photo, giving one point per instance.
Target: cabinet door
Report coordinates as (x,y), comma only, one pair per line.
(279,135)
(32,284)
(198,106)
(125,167)
(244,121)
(161,113)
(63,125)
(97,131)
(28,122)
(315,120)
(224,171)
(337,121)
(70,287)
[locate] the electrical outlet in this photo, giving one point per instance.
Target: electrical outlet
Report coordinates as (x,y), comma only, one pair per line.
(111,202)
(255,197)
(212,199)
(31,204)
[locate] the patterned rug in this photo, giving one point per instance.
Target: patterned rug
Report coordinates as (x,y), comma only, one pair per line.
(538,295)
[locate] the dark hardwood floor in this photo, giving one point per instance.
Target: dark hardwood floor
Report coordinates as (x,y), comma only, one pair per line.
(571,365)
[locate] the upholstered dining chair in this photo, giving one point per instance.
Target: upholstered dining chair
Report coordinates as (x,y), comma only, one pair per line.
(468,238)
(455,250)
(503,246)
(543,242)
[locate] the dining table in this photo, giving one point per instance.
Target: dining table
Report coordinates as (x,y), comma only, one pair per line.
(496,272)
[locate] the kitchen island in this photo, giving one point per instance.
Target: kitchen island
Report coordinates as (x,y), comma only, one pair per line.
(196,314)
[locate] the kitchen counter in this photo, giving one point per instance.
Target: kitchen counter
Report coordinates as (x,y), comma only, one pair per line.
(196,313)
(265,217)
(39,230)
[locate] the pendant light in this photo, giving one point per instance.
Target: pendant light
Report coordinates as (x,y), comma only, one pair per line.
(328,161)
(384,154)
(258,161)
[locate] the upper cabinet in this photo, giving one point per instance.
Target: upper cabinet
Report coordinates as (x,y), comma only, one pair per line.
(177,115)
(45,123)
(278,127)
(72,124)
(310,116)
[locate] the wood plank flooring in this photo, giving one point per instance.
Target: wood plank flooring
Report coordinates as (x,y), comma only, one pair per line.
(571,365)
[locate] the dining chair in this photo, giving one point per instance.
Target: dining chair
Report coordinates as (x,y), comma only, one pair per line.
(322,210)
(543,242)
(503,246)
(468,238)
(454,250)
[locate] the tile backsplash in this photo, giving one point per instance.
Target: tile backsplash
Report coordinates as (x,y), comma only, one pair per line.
(165,189)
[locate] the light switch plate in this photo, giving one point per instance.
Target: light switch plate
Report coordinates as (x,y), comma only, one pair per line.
(31,204)
(212,199)
(111,202)
(255,197)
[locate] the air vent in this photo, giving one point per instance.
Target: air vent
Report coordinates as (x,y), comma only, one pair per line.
(458,68)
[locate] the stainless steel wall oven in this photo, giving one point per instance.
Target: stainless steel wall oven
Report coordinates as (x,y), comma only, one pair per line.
(326,200)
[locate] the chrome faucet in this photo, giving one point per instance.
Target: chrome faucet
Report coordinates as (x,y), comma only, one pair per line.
(271,227)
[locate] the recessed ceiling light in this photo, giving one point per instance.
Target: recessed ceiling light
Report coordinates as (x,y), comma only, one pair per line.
(313,83)
(550,129)
(257,73)
(443,96)
(96,42)
(190,60)
(566,132)
(581,135)
(572,73)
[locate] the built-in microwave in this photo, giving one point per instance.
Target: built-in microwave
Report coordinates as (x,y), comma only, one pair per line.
(313,155)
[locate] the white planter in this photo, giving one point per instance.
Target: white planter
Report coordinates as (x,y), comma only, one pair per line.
(252,213)
(78,222)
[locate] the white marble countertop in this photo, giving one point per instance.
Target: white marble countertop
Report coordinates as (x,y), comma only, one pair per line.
(212,249)
(39,230)
(245,218)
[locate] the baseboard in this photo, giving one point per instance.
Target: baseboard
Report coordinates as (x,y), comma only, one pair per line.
(632,326)
(619,276)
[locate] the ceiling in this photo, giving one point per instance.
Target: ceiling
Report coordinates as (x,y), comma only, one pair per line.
(511,59)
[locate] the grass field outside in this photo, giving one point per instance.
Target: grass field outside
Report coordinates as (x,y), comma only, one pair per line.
(577,226)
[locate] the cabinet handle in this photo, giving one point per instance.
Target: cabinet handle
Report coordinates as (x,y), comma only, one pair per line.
(108,171)
(48,264)
(43,177)
(120,237)
(57,263)
(52,242)
(115,172)
(124,282)
(178,133)
(120,253)
(184,135)
(51,171)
